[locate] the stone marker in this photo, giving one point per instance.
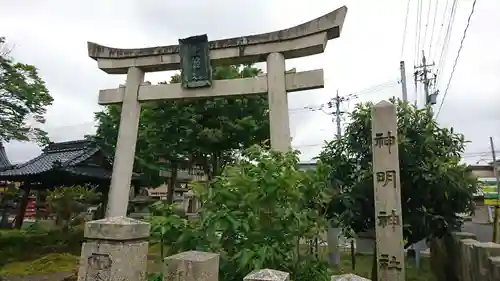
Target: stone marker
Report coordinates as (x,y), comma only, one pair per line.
(466,263)
(116,250)
(455,253)
(348,277)
(494,268)
(267,275)
(387,193)
(480,258)
(192,266)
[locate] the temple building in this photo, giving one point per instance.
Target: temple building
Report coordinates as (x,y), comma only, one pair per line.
(60,164)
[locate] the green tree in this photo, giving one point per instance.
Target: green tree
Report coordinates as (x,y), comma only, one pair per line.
(22,95)
(435,185)
(68,204)
(254,215)
(205,132)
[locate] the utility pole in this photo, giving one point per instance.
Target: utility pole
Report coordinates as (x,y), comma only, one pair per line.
(496,237)
(403,80)
(334,231)
(337,114)
(421,75)
(336,102)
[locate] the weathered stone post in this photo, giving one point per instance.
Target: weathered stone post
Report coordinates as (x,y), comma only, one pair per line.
(387,193)
(125,145)
(116,250)
(348,277)
(466,262)
(494,268)
(117,246)
(267,275)
(278,103)
(455,253)
(192,266)
(480,258)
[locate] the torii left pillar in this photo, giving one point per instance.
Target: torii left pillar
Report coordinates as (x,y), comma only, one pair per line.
(116,247)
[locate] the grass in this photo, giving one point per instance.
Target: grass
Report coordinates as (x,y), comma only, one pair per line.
(63,262)
(51,263)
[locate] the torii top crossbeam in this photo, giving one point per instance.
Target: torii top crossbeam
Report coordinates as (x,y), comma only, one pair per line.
(306,39)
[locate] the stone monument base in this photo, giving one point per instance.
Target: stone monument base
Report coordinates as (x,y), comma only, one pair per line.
(116,249)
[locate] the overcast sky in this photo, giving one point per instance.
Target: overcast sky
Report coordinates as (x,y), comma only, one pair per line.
(52,35)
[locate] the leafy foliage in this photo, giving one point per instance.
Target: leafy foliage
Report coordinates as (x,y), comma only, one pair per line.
(189,132)
(435,185)
(22,95)
(254,215)
(167,226)
(67,203)
(23,245)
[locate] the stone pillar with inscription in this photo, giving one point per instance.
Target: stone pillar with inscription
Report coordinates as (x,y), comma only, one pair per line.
(387,193)
(192,266)
(267,275)
(116,250)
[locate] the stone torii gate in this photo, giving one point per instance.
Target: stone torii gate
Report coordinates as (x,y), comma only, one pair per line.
(194,56)
(303,40)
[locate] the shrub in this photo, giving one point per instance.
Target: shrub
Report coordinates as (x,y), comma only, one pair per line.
(254,215)
(21,245)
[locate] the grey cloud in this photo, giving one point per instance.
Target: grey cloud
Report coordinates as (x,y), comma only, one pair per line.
(366,54)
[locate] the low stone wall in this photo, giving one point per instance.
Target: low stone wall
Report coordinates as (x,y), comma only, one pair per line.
(459,257)
(196,266)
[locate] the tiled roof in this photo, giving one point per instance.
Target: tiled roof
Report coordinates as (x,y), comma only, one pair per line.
(93,172)
(63,155)
(4,160)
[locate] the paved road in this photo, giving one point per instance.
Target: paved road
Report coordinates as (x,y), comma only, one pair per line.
(482,231)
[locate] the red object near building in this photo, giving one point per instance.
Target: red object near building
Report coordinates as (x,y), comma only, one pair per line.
(30,208)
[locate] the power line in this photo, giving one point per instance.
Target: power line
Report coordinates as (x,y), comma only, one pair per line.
(364,91)
(457,57)
(427,23)
(404,31)
(438,42)
(433,27)
(417,32)
(367,90)
(444,50)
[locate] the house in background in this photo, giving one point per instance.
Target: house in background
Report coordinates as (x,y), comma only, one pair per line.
(483,171)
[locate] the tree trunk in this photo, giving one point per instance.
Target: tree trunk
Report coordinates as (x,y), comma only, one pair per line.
(4,217)
(374,263)
(172,184)
(101,212)
(22,207)
(215,163)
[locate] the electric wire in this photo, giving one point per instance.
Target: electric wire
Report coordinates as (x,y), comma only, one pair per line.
(444,50)
(404,31)
(457,57)
(417,33)
(427,23)
(440,33)
(433,29)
